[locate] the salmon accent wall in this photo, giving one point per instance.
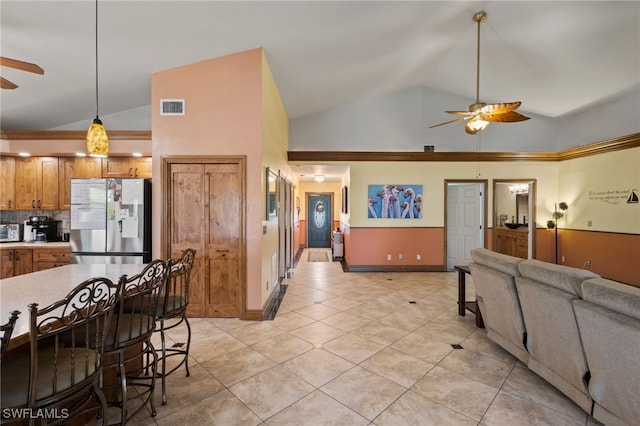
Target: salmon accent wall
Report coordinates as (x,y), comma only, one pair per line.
(612,255)
(370,246)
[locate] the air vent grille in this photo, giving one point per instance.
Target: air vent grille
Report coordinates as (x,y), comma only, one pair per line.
(171,106)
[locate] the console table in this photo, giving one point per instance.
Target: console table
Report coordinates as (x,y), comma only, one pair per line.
(464,305)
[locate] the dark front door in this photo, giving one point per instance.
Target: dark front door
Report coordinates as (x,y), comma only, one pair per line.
(319,221)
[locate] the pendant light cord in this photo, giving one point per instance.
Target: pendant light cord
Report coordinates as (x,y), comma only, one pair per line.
(97,59)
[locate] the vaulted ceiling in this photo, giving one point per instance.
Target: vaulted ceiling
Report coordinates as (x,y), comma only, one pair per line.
(556,57)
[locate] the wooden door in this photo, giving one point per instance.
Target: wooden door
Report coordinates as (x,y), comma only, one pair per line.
(223,233)
(205,210)
(7,183)
(142,168)
(6,263)
(23,261)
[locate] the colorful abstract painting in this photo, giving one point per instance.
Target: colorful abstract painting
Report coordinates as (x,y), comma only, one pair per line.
(395,201)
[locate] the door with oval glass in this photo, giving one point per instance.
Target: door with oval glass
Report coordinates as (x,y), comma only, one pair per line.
(319,220)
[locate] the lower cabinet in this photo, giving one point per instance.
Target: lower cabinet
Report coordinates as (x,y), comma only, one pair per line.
(15,262)
(19,261)
(512,242)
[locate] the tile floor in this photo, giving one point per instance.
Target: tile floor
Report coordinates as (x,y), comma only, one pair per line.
(357,349)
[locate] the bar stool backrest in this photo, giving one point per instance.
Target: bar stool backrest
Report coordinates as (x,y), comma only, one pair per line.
(176,296)
(7,331)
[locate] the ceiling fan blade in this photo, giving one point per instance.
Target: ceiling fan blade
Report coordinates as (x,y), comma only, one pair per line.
(21,65)
(448,122)
(6,84)
(500,108)
(459,113)
(506,117)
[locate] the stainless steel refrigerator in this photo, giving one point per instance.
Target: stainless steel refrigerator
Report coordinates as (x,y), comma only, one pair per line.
(110,221)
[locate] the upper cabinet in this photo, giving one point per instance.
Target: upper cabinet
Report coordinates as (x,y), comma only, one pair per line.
(75,167)
(123,167)
(36,183)
(7,183)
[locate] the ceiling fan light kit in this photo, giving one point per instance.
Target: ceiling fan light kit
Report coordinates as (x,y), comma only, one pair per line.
(97,139)
(481,114)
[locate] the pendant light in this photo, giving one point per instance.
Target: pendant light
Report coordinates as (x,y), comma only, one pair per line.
(97,140)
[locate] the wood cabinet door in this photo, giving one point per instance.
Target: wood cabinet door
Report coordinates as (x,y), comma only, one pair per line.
(90,167)
(115,167)
(22,261)
(7,183)
(6,263)
(142,168)
(223,230)
(26,184)
(47,178)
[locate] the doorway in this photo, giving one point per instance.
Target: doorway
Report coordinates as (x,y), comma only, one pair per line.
(319,220)
(204,209)
(465,219)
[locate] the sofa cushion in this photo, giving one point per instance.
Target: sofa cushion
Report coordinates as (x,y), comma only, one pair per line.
(613,295)
(498,261)
(561,277)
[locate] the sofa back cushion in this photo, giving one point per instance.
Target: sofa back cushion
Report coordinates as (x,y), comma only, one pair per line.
(498,261)
(561,277)
(613,295)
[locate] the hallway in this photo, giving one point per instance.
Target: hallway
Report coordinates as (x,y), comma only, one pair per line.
(358,349)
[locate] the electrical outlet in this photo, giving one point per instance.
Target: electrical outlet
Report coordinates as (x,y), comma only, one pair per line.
(588,263)
(401,256)
(388,257)
(563,259)
(418,257)
(589,223)
(267,284)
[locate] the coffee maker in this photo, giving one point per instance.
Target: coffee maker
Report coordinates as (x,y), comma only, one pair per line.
(41,229)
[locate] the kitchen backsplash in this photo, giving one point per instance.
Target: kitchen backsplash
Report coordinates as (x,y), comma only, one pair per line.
(19,216)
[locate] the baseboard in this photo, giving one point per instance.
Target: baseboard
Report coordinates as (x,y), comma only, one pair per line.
(268,310)
(253,315)
(393,268)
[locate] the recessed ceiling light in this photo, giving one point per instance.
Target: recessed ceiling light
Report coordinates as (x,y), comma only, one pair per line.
(137,154)
(81,154)
(24,154)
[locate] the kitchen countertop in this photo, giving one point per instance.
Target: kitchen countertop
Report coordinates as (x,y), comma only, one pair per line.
(48,286)
(21,244)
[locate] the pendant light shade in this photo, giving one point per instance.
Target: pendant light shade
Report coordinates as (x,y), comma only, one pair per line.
(97,140)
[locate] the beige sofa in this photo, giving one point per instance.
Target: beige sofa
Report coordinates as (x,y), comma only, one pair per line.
(576,330)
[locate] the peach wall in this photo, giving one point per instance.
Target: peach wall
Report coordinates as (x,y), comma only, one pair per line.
(370,246)
(612,255)
(223,110)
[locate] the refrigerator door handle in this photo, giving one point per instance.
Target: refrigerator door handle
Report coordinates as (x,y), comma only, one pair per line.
(120,225)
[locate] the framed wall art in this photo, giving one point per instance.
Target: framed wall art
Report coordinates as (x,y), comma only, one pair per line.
(391,201)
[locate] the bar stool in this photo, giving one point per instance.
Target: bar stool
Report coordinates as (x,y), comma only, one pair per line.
(128,342)
(173,305)
(7,330)
(61,377)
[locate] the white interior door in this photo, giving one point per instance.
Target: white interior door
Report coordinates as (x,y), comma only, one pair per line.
(464,221)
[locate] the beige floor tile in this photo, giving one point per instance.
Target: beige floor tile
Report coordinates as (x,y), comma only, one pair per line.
(364,392)
(418,410)
(255,332)
(341,302)
(222,408)
(403,369)
(317,409)
(380,333)
(352,347)
(271,391)
(422,348)
(317,311)
(346,321)
(291,320)
(510,409)
(317,333)
(402,320)
(461,394)
(214,346)
(318,366)
(526,384)
(236,366)
(283,347)
(482,368)
(445,331)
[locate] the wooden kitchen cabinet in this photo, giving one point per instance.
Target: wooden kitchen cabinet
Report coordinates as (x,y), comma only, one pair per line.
(15,262)
(7,183)
(75,167)
(47,258)
(513,242)
(125,167)
(36,183)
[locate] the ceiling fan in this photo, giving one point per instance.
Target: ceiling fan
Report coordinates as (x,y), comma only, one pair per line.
(19,65)
(480,114)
